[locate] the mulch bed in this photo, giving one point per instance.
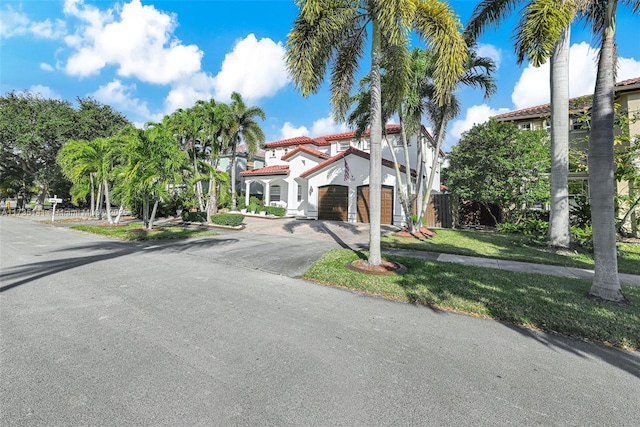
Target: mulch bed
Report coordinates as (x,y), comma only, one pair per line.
(424,233)
(385,268)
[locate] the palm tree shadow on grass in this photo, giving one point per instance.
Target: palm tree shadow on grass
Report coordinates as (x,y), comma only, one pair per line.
(448,282)
(26,273)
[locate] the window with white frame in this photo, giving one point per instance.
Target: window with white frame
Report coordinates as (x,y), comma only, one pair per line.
(274,193)
(299,193)
(343,145)
(525,126)
(272,154)
(577,124)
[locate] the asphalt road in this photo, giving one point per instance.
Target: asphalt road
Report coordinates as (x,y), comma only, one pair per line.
(219,331)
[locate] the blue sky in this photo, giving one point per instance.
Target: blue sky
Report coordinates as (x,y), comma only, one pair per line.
(148,58)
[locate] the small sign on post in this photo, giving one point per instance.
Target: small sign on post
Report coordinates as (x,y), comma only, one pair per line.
(55,200)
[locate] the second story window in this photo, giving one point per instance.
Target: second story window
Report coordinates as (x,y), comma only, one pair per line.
(343,145)
(272,154)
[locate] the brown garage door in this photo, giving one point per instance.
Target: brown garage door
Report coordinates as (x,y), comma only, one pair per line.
(333,202)
(386,214)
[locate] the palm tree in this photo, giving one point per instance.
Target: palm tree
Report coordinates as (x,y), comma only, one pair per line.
(188,127)
(95,160)
(606,282)
(248,130)
(152,161)
(543,33)
(336,32)
(218,131)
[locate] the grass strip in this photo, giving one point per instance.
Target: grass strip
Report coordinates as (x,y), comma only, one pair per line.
(134,232)
(512,247)
(550,304)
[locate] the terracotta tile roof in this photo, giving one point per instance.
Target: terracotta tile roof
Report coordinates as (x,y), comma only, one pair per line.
(325,140)
(350,150)
(579,103)
(307,150)
(628,82)
(269,170)
(299,140)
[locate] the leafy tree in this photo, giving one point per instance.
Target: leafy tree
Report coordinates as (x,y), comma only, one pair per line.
(248,131)
(496,162)
(32,130)
(335,33)
(96,120)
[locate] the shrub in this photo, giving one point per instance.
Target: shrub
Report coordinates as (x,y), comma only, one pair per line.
(240,202)
(528,227)
(194,216)
(253,200)
(583,237)
(275,210)
(252,207)
(229,219)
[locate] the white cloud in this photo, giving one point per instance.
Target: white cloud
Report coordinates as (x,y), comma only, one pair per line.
(185,93)
(254,68)
(121,97)
(289,131)
(46,67)
(320,127)
(533,87)
(136,39)
(490,51)
(475,115)
(17,23)
(45,92)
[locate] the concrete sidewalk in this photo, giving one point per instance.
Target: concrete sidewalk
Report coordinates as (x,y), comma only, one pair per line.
(517,266)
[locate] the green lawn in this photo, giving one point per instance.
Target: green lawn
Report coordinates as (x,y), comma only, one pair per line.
(132,231)
(531,300)
(510,247)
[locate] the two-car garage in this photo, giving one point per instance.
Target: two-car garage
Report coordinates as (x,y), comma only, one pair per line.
(333,203)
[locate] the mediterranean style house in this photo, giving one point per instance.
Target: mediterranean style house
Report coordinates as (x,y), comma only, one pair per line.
(243,163)
(327,177)
(627,97)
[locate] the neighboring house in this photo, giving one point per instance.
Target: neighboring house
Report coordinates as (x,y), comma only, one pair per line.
(627,96)
(243,163)
(327,177)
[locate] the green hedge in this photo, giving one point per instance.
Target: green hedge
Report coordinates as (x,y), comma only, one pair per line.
(275,210)
(230,219)
(194,216)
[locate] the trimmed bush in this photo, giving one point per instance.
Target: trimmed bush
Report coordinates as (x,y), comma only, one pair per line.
(275,210)
(194,216)
(228,219)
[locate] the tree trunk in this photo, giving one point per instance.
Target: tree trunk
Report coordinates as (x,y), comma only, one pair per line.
(402,192)
(92,210)
(233,178)
(99,202)
(606,283)
(559,234)
(120,211)
(145,212)
(107,200)
(153,214)
(212,203)
(375,163)
(434,164)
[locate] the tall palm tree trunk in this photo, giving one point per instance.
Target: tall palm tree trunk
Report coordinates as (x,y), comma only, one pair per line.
(434,163)
(559,234)
(375,164)
(107,199)
(92,210)
(233,178)
(606,283)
